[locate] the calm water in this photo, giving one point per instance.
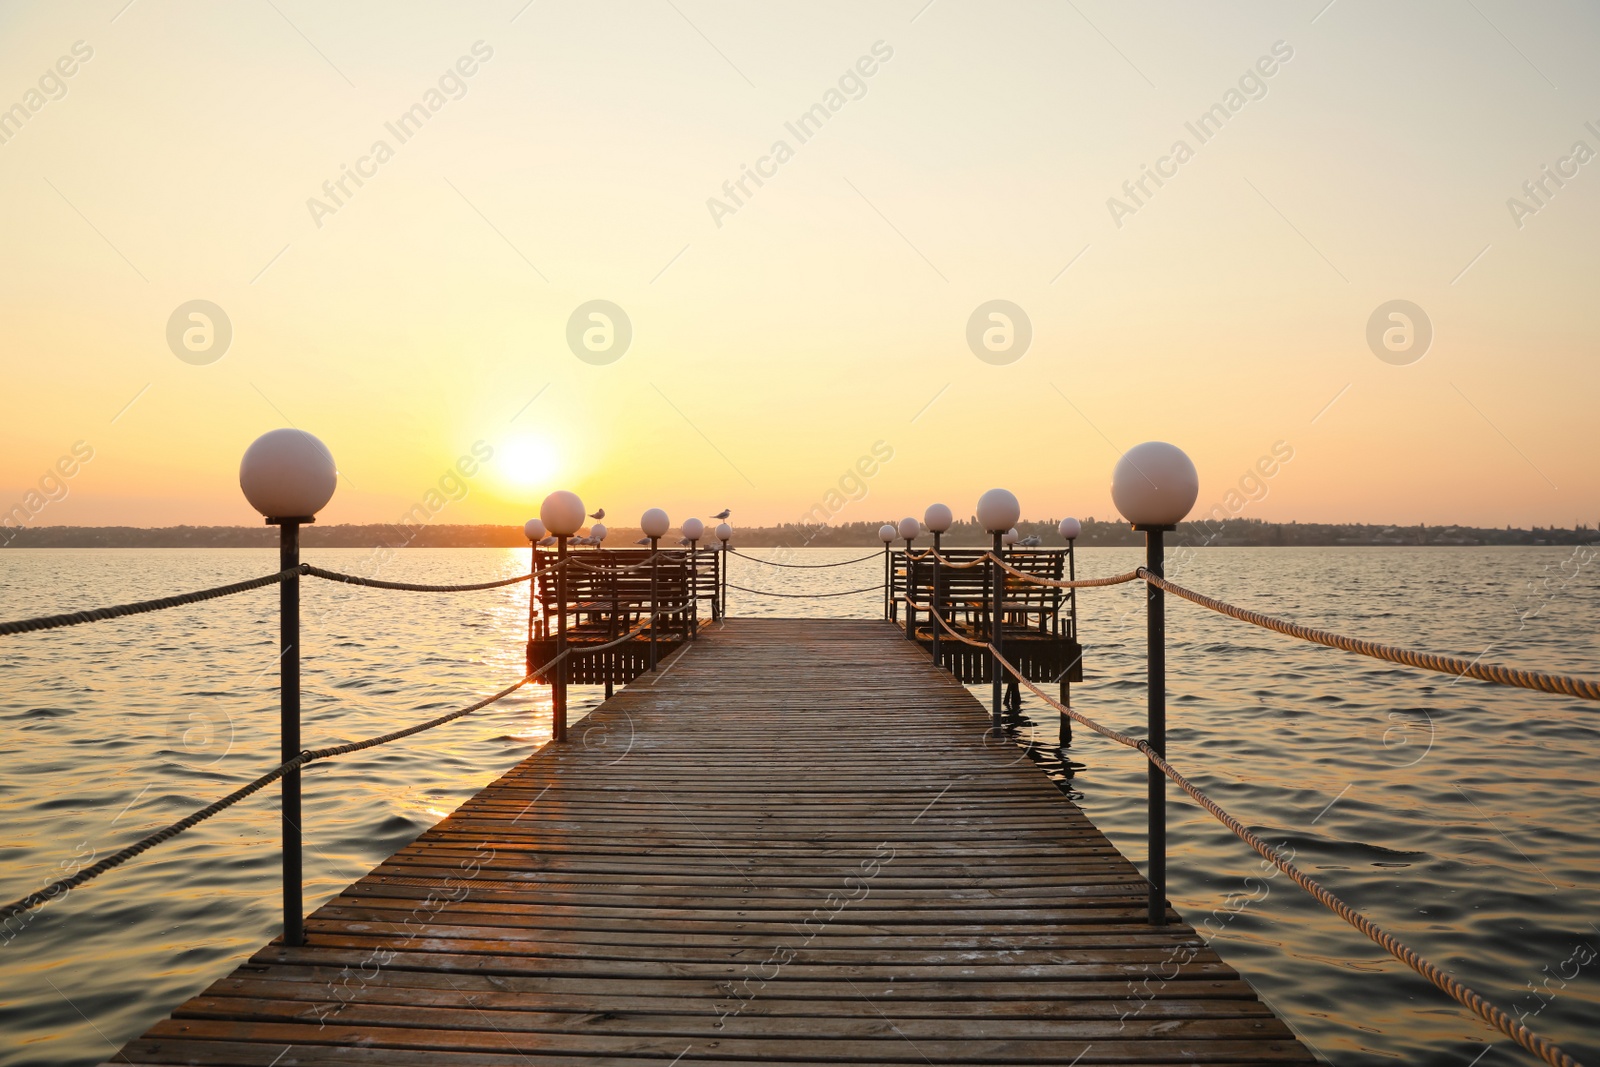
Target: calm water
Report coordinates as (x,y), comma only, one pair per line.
(1464,817)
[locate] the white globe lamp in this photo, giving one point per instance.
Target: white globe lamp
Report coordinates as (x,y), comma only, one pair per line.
(938,518)
(998,511)
(1154,485)
(693,529)
(1009,538)
(909,529)
(534,530)
(724,533)
(1070,529)
(598,532)
(288,475)
(655,524)
(562,513)
(886,533)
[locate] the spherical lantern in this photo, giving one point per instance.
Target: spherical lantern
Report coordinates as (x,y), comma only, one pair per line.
(598,531)
(562,513)
(1009,538)
(886,533)
(534,530)
(938,518)
(693,529)
(1070,529)
(288,474)
(1154,484)
(724,532)
(655,523)
(998,510)
(909,528)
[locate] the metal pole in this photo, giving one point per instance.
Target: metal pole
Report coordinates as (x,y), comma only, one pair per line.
(934,615)
(1065,737)
(694,590)
(1156,658)
(996,633)
(911,612)
(558,684)
(722,567)
(653,543)
(289,726)
(533,579)
(887,583)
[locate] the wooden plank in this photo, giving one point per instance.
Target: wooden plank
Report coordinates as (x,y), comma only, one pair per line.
(797,846)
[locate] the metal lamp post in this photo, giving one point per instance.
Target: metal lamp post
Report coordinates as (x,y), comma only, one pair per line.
(288,476)
(886,534)
(724,534)
(1069,529)
(535,532)
(908,530)
(693,530)
(937,518)
(998,511)
(562,514)
(1155,485)
(655,525)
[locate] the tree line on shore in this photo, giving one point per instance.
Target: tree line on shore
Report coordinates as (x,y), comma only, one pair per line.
(1096,533)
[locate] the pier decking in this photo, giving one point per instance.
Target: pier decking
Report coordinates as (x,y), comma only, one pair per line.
(791,844)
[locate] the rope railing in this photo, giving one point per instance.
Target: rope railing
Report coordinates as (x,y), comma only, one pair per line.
(1583,688)
(1540,1046)
(416,587)
(808,596)
(77,618)
(804,566)
(166,833)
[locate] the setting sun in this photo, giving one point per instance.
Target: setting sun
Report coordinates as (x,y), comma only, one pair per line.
(527,462)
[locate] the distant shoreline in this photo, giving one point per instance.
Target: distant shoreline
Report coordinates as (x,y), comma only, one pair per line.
(1234,533)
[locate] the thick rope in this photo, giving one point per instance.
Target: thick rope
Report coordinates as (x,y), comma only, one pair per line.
(807,596)
(940,620)
(1079,583)
(1545,1049)
(413,587)
(1583,688)
(804,566)
(647,561)
(76,618)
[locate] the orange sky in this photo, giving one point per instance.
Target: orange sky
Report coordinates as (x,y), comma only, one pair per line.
(963,154)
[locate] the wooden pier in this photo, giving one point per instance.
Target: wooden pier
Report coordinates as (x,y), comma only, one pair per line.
(792,843)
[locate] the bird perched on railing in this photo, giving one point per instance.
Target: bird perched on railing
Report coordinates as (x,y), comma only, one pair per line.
(1031,541)
(723,514)
(599,514)
(683,542)
(642,541)
(548,541)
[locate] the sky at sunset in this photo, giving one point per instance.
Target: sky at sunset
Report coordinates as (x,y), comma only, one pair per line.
(397,219)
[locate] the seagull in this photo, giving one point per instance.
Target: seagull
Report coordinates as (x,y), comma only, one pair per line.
(1031,541)
(683,541)
(723,514)
(599,514)
(547,542)
(642,541)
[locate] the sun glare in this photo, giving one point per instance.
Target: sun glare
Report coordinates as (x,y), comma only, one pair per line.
(527,462)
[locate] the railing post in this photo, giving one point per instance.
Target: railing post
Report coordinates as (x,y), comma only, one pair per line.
(997,630)
(289,724)
(694,591)
(533,581)
(653,542)
(935,615)
(1156,668)
(558,683)
(1065,737)
(888,580)
(911,612)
